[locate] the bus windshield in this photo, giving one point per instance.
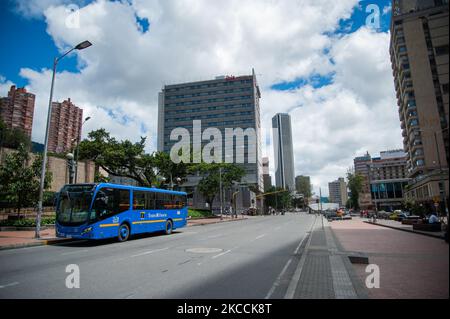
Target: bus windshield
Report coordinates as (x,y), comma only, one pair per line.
(74,203)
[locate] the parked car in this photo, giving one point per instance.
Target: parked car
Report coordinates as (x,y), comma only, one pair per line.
(383,214)
(398,215)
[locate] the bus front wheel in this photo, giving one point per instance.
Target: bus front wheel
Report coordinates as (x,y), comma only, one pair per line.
(124,232)
(169,227)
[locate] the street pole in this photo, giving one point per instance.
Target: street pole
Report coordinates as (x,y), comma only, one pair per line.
(320,199)
(220,192)
(80,46)
(44,156)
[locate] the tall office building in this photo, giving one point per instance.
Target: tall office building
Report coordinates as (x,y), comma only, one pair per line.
(17,109)
(65,126)
(266,174)
(420,55)
(225,102)
(283,151)
(338,192)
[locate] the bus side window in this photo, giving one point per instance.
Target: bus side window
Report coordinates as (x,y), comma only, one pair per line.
(160,201)
(149,200)
(139,200)
(122,198)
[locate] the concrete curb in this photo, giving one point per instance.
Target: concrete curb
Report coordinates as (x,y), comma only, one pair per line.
(56,241)
(407,230)
(43,242)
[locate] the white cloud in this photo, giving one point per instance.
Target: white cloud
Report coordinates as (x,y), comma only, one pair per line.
(199,39)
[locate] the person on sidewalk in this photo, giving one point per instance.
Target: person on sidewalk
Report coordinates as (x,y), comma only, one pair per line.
(433,219)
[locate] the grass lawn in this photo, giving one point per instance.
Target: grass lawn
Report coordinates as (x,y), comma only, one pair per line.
(199,213)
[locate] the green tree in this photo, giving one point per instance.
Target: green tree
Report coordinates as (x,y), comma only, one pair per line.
(278,197)
(355,185)
(209,185)
(127,159)
(20,179)
(303,186)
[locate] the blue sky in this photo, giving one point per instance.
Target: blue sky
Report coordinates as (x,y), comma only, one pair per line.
(16,54)
(356,21)
(346,73)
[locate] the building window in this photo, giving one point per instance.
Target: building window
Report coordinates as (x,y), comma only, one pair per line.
(445,88)
(441,50)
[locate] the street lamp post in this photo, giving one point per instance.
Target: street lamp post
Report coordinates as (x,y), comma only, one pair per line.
(220,193)
(76,149)
(80,46)
(71,167)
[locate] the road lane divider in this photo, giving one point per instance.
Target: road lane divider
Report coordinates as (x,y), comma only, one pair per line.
(283,271)
(9,285)
(149,252)
(296,278)
(221,254)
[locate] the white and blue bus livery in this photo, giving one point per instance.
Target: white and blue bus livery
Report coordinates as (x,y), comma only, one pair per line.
(98,211)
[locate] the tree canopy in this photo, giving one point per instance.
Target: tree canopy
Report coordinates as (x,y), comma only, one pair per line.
(20,179)
(128,159)
(212,173)
(13,138)
(355,185)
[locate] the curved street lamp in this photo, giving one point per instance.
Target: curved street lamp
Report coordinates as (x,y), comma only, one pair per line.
(80,46)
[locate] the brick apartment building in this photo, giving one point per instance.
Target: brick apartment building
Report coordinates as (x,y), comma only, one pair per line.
(17,109)
(65,126)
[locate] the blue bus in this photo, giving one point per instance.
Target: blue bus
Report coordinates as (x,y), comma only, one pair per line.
(97,211)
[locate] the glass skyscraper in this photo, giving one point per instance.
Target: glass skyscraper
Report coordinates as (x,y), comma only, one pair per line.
(283,151)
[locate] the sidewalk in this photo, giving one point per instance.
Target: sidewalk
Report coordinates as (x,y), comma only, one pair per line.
(409,228)
(411,266)
(19,239)
(324,271)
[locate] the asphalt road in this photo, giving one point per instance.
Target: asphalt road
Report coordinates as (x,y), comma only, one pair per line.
(254,258)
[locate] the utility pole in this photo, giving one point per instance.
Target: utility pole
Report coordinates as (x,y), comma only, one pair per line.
(320,199)
(220,192)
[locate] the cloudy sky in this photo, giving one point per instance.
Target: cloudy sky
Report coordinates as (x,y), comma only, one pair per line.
(318,60)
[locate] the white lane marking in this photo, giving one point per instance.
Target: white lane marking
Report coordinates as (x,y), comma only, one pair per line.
(215,236)
(9,285)
(278,280)
(296,278)
(149,252)
(74,252)
(221,254)
(260,236)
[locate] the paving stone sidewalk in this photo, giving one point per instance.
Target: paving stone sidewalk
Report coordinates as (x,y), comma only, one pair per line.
(325,271)
(411,265)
